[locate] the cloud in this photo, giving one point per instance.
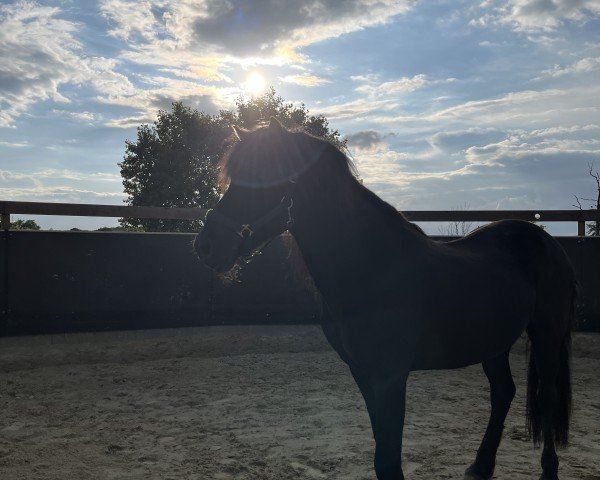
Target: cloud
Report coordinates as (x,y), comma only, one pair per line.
(369,141)
(536,16)
(59,194)
(356,109)
(533,144)
(402,85)
(458,141)
(380,101)
(485,167)
(34,58)
(140,21)
(211,34)
(89,118)
(566,107)
(64,174)
(364,140)
(15,144)
(304,80)
(162,93)
(60,185)
(585,65)
(40,54)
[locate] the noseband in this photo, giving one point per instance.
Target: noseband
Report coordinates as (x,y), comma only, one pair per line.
(246,231)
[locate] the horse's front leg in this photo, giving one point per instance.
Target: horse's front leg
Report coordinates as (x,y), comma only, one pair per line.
(389,398)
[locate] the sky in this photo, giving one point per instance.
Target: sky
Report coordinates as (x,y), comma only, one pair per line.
(446,104)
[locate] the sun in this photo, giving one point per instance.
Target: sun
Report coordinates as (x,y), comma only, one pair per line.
(255,84)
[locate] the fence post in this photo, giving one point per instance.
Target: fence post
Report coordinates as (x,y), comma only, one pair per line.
(4,228)
(581,229)
(5,223)
(4,283)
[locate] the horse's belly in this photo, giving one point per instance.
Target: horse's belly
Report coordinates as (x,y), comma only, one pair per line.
(473,335)
(439,353)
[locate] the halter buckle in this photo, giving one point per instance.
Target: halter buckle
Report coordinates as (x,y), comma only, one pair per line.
(245,231)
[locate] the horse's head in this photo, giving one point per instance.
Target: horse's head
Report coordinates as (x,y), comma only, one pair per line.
(259,173)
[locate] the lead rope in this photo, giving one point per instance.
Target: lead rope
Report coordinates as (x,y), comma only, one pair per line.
(258,251)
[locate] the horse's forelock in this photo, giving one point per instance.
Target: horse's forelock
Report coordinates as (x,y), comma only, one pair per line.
(267,157)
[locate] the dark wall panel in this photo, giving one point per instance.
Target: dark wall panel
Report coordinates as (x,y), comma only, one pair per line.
(92,281)
(3,282)
(588,257)
(69,281)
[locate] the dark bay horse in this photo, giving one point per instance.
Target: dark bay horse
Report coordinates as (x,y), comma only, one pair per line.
(396,300)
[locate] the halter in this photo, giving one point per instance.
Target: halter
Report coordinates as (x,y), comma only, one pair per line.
(246,231)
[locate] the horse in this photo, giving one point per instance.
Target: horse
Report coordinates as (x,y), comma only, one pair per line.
(396,300)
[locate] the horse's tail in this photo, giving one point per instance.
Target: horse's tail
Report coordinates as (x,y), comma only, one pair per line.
(562,411)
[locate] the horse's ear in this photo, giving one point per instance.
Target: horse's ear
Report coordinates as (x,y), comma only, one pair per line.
(276,126)
(239,132)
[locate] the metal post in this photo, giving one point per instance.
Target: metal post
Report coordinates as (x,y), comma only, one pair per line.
(4,312)
(581,229)
(4,228)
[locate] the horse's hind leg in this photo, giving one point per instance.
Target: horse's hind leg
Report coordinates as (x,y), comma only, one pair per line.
(547,361)
(502,391)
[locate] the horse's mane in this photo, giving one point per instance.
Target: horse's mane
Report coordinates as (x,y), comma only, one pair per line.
(263,158)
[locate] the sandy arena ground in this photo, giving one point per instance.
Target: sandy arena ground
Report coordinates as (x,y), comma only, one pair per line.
(250,403)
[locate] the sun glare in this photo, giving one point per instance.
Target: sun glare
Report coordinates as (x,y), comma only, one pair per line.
(254,84)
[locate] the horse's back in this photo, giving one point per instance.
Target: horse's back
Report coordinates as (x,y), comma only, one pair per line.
(523,244)
(488,285)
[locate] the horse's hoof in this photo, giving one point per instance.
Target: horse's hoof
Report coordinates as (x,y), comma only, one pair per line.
(471,474)
(474,476)
(546,476)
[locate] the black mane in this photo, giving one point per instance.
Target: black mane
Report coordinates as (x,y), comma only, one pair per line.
(268,157)
(265,157)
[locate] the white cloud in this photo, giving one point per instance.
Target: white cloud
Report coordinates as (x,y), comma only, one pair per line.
(60,174)
(585,65)
(59,194)
(60,185)
(304,80)
(536,16)
(210,34)
(140,20)
(399,86)
(40,54)
(566,107)
(90,118)
(15,144)
(456,141)
(162,94)
(402,85)
(356,109)
(519,145)
(482,166)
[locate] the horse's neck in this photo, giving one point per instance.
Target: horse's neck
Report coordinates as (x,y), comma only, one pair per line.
(347,237)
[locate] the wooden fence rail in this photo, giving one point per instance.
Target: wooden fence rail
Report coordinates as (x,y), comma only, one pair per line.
(93,210)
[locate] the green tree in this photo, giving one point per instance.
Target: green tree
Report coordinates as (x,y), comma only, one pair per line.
(173,163)
(24,225)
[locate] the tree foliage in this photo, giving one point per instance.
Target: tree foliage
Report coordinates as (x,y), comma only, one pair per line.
(173,163)
(24,225)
